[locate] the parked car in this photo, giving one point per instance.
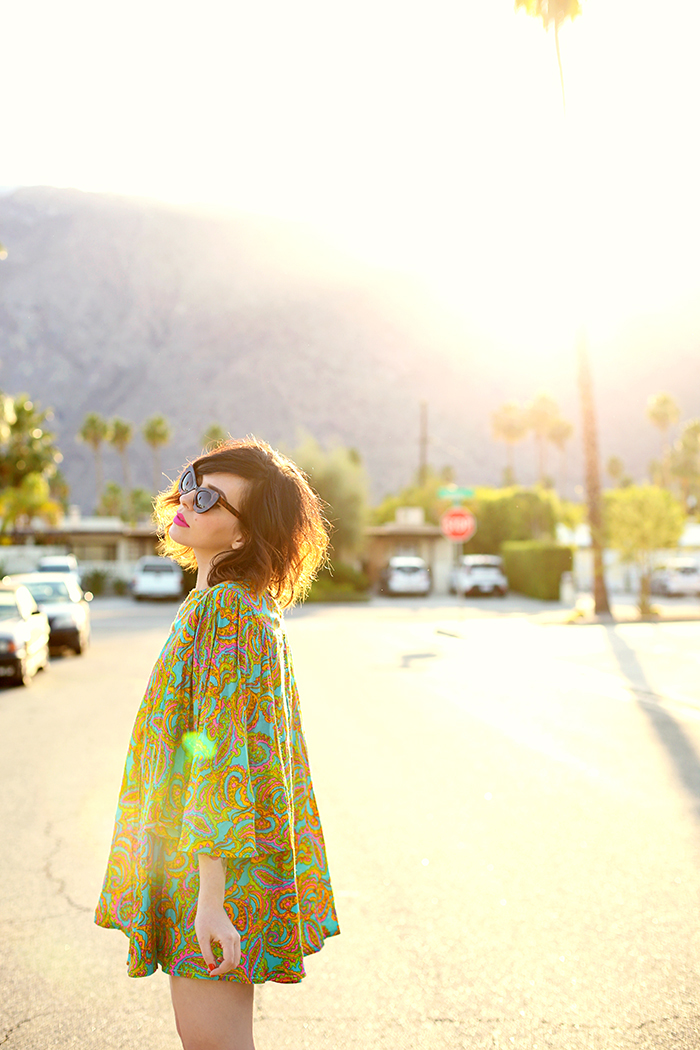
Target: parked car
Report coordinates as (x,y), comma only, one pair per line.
(67,609)
(405,575)
(680,576)
(156,578)
(479,574)
(24,635)
(65,564)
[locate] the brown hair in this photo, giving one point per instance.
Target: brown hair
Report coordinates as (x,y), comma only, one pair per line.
(285,533)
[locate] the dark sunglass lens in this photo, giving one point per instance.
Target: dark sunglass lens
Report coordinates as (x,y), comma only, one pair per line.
(188,481)
(205,499)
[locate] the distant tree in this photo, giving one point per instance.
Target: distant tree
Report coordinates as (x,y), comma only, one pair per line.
(156,433)
(684,460)
(641,520)
(59,489)
(27,446)
(111,503)
(94,432)
(664,413)
(138,507)
(423,495)
(119,436)
(341,482)
(509,424)
(516,513)
(560,432)
(213,436)
(615,469)
(21,503)
(541,413)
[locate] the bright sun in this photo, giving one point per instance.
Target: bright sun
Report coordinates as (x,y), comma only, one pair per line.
(429,139)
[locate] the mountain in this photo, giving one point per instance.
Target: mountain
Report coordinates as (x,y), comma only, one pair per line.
(131,308)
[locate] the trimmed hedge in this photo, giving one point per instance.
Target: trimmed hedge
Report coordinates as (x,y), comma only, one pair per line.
(535,567)
(339,583)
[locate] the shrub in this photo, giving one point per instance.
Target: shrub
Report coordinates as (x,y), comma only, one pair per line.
(535,568)
(339,583)
(120,586)
(96,581)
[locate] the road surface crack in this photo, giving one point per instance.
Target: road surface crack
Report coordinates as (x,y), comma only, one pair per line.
(25,1020)
(59,883)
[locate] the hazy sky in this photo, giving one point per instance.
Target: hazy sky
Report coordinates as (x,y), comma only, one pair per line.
(427,136)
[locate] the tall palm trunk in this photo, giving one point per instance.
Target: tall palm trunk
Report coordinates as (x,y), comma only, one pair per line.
(98,472)
(561,68)
(125,470)
(592,466)
(157,473)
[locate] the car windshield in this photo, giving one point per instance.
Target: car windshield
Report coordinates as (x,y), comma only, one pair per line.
(8,606)
(48,591)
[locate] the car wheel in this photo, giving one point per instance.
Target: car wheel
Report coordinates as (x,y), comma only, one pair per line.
(22,677)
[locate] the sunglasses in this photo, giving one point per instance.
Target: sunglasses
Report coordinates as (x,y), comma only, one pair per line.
(204,498)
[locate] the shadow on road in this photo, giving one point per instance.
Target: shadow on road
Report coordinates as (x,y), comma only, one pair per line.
(679,748)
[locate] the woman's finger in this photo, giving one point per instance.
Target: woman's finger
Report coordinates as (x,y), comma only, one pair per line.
(231,949)
(205,949)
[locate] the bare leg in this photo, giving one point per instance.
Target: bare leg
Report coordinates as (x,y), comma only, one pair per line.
(213,1015)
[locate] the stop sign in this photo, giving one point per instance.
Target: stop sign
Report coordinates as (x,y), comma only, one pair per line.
(458,524)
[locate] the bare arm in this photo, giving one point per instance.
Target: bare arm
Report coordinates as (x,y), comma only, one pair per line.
(211,922)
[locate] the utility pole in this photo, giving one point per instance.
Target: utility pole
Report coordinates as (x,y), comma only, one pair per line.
(423,444)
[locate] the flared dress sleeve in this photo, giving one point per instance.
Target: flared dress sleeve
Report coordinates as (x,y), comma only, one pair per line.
(237,797)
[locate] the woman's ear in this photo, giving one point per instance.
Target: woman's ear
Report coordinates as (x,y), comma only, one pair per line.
(238,542)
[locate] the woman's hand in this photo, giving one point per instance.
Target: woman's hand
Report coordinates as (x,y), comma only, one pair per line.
(211,921)
(213,924)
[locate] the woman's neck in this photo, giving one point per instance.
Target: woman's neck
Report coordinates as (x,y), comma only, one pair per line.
(204,560)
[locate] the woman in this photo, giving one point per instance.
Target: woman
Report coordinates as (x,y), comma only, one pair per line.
(217,870)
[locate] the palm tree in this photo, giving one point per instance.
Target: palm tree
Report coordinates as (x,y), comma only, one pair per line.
(541,414)
(156,433)
(111,501)
(559,433)
(663,412)
(213,436)
(555,13)
(93,432)
(508,423)
(120,434)
(685,459)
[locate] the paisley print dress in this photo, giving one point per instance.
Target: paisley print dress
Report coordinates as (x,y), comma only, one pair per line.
(217,764)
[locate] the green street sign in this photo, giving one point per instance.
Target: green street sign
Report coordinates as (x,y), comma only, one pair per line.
(455,493)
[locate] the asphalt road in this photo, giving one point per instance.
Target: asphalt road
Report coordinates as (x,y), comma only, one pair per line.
(512,816)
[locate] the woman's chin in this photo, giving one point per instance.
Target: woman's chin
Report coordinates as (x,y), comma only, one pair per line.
(178,533)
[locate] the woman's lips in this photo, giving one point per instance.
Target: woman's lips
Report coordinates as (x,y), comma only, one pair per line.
(179,520)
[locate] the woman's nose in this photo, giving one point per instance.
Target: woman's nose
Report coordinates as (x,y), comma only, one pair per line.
(185,499)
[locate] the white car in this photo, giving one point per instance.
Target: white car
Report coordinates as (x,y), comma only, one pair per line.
(67,609)
(24,634)
(479,574)
(65,564)
(405,575)
(156,577)
(680,576)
